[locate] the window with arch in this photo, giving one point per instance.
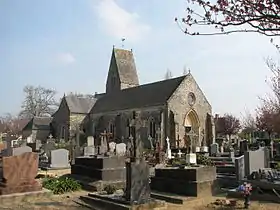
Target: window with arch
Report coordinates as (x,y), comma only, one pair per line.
(112,128)
(152,128)
(62,132)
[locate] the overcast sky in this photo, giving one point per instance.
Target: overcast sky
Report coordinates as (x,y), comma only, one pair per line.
(66,45)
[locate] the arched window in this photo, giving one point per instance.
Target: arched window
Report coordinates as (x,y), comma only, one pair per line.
(112,128)
(152,128)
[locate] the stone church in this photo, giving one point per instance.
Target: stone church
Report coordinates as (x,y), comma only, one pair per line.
(175,108)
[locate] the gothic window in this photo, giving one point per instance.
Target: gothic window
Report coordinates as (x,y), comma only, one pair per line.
(112,128)
(62,132)
(152,129)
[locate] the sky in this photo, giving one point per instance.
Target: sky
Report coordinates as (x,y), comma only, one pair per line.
(66,45)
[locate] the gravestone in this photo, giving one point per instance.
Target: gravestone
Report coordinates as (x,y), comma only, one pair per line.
(214,149)
(90,141)
(59,158)
(240,168)
(90,148)
(191,158)
(21,150)
(16,151)
(121,149)
(18,174)
(243,147)
(137,170)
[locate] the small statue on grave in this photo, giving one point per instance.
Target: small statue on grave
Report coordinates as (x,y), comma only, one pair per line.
(168,149)
(151,142)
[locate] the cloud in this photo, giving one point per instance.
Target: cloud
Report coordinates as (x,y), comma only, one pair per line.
(66,58)
(120,23)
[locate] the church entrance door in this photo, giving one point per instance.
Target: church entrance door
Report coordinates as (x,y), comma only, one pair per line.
(192,126)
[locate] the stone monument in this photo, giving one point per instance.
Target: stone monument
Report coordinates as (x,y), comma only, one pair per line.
(168,149)
(137,170)
(18,174)
(191,157)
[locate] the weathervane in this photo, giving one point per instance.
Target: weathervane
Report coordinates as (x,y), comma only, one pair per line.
(123,39)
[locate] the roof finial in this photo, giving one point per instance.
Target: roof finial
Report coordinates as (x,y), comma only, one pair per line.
(189,70)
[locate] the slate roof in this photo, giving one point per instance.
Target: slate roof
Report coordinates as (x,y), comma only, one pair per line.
(151,94)
(125,65)
(38,123)
(79,105)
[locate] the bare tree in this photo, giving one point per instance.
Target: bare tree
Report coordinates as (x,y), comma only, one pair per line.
(248,123)
(231,125)
(168,74)
(39,101)
(12,124)
(226,16)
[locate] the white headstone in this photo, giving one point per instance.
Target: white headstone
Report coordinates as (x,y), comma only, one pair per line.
(191,158)
(60,158)
(168,150)
(112,146)
(90,141)
(121,149)
(197,149)
(204,149)
(21,150)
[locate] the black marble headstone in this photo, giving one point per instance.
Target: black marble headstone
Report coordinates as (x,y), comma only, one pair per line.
(137,182)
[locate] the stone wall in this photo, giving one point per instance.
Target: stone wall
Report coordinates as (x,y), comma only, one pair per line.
(179,106)
(120,121)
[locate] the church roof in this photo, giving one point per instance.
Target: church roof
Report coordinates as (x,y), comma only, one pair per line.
(125,66)
(81,105)
(151,94)
(42,123)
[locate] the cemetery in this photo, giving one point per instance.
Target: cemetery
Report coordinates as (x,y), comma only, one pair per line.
(119,175)
(156,145)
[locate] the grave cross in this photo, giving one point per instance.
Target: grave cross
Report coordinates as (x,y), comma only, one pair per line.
(191,134)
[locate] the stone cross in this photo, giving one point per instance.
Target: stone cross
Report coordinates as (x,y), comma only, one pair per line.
(179,153)
(191,134)
(151,142)
(136,124)
(50,136)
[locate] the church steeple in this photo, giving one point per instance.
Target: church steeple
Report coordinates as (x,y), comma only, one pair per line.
(122,71)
